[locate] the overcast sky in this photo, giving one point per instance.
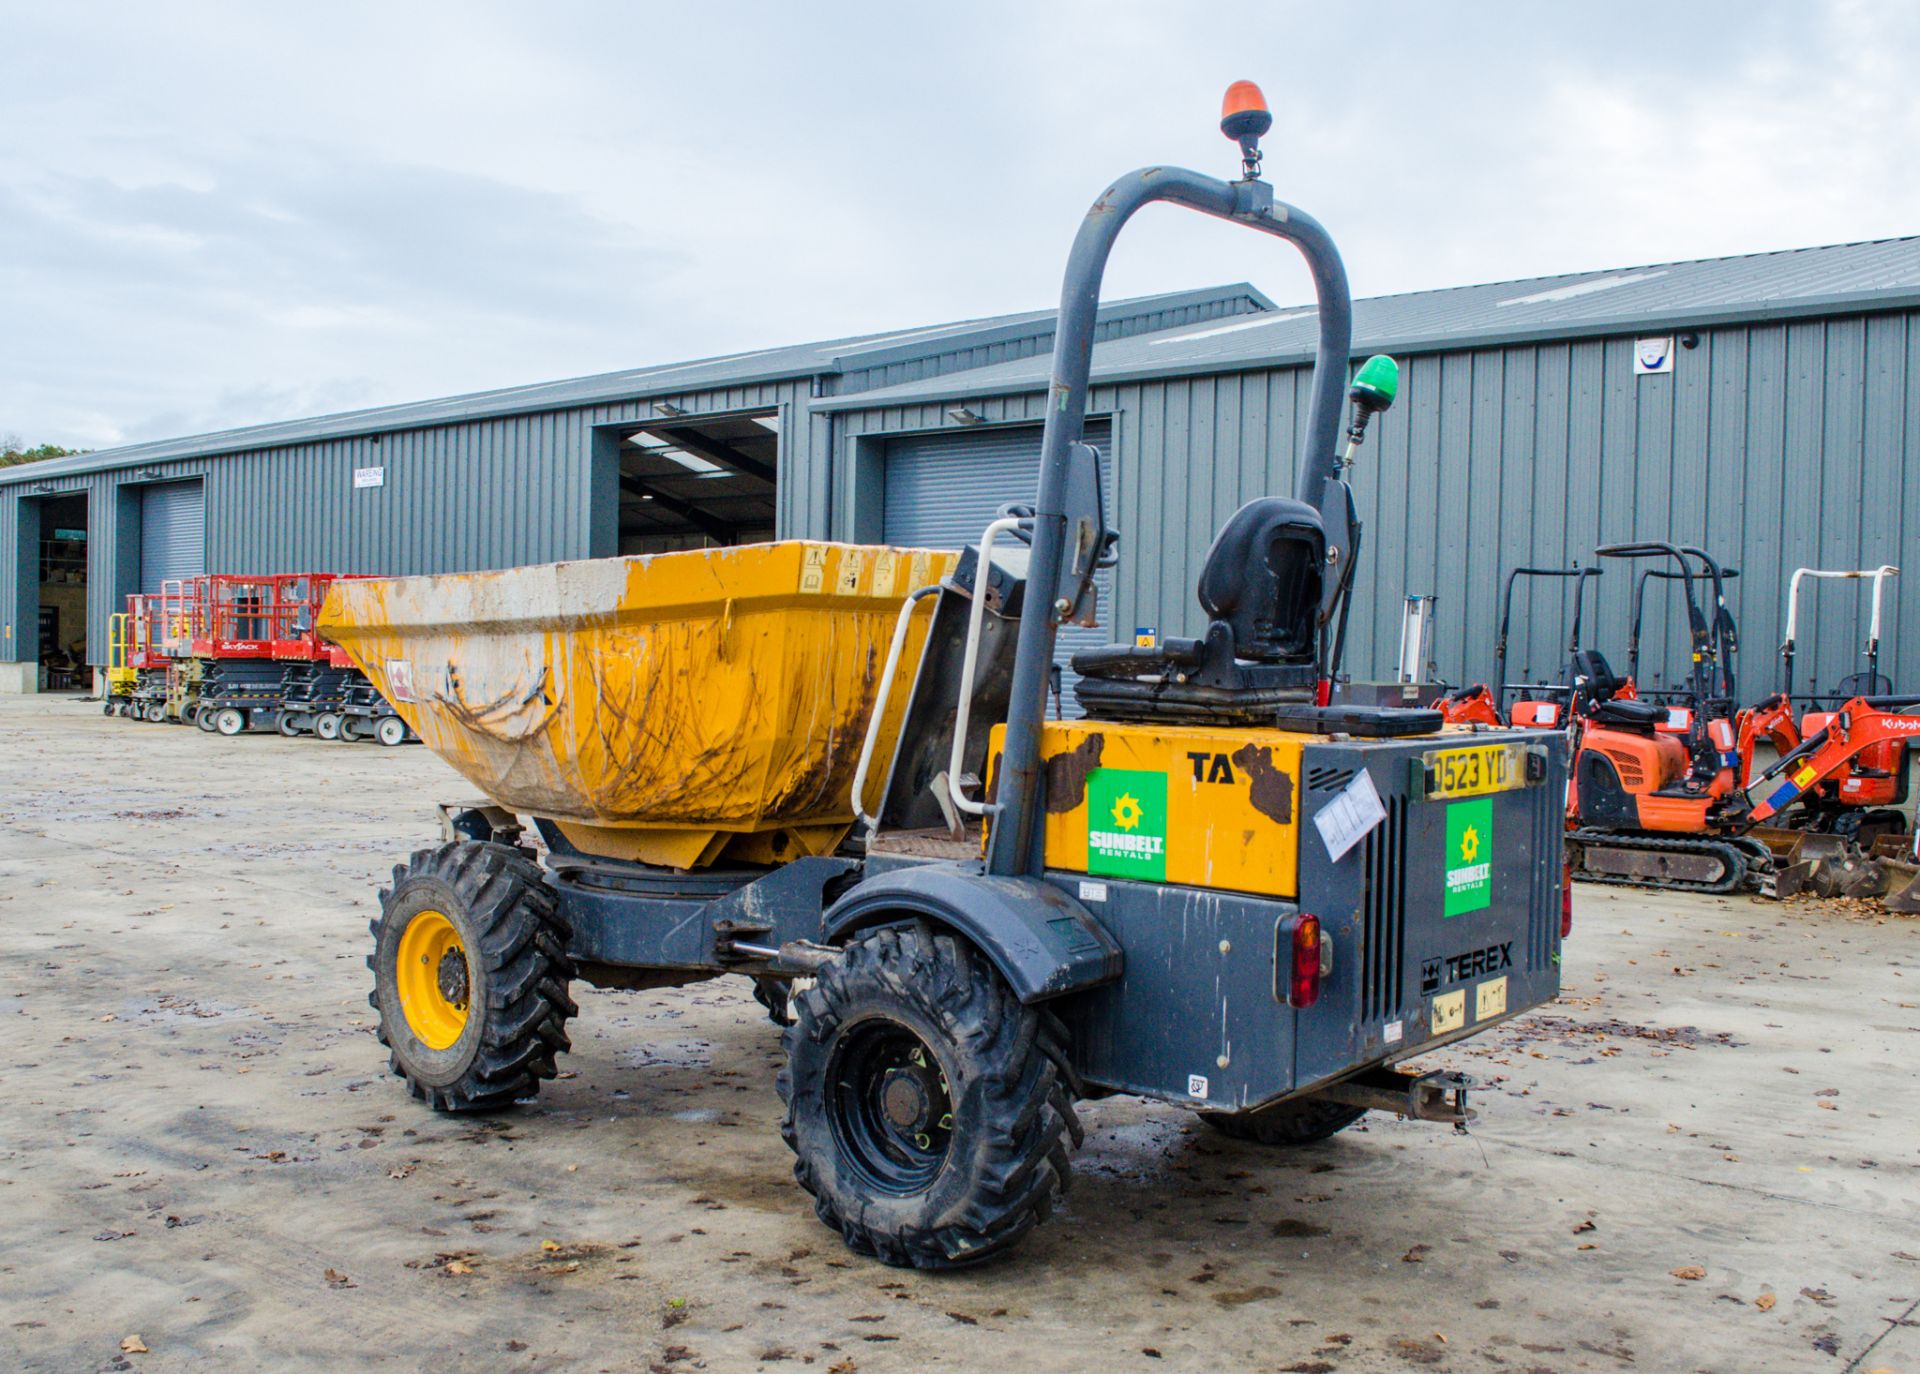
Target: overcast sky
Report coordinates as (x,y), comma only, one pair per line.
(214,215)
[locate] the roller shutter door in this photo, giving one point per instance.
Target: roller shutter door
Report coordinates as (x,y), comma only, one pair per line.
(943,489)
(173,533)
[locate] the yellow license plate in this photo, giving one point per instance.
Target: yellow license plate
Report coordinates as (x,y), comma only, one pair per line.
(1475,772)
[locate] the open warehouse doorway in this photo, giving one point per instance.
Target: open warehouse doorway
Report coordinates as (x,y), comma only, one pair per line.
(698,482)
(60,602)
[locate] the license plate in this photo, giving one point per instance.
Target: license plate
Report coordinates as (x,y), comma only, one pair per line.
(1475,772)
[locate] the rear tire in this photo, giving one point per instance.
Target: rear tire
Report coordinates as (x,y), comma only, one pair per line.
(475,1024)
(391,731)
(204,718)
(1303,1121)
(230,721)
(929,1112)
(289,724)
(349,728)
(326,725)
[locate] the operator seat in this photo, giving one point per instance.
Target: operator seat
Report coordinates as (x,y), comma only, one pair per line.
(1594,683)
(1261,589)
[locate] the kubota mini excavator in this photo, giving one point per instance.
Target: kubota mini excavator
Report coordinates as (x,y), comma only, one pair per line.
(1655,799)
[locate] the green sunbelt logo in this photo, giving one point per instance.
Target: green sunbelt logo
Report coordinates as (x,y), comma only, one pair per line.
(1127,824)
(1469,857)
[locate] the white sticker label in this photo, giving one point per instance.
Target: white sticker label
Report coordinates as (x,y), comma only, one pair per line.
(369,477)
(1093,892)
(1196,1086)
(1391,1033)
(1345,821)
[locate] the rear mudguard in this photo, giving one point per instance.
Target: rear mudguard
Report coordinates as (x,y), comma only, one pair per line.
(1043,942)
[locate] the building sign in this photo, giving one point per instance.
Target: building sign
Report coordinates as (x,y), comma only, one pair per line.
(369,477)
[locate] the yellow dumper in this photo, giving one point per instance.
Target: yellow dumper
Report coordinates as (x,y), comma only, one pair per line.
(681,709)
(832,769)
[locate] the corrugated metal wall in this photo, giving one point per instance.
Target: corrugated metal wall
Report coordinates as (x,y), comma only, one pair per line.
(484,494)
(1776,445)
(1772,445)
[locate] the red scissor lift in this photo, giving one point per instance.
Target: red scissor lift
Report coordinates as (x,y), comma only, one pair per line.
(319,675)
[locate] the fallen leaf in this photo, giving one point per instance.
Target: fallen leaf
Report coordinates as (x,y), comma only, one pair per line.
(1585,1226)
(1765,1302)
(338,1279)
(458,1267)
(1416,1254)
(1688,1271)
(549,1245)
(133,1345)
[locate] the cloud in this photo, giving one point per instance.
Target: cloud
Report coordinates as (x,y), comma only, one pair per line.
(393,203)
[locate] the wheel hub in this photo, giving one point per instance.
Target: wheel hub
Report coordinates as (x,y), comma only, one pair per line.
(904,1100)
(452,976)
(891,1107)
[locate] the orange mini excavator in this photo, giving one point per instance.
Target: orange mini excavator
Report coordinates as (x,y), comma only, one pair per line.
(1654,797)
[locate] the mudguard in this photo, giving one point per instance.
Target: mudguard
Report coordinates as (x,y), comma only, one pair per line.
(1042,941)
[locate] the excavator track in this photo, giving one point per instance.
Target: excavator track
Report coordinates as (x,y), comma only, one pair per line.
(1681,865)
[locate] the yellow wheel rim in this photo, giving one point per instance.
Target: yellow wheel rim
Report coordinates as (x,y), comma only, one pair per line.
(434,980)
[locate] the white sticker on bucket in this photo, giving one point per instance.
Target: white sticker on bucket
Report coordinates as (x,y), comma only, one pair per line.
(1196,1086)
(1391,1033)
(400,679)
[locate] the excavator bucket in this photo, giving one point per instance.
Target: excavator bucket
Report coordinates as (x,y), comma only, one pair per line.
(1829,865)
(1903,886)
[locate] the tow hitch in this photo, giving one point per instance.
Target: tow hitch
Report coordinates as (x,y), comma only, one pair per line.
(1438,1095)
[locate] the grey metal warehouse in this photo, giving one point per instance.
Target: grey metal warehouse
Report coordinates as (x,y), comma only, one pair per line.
(1764,407)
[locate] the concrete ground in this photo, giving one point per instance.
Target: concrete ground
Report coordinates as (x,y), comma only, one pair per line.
(1704,1158)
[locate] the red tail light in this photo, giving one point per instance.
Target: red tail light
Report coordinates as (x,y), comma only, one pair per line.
(1303,988)
(1566,898)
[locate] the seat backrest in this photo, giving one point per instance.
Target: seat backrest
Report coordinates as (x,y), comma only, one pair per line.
(1263,579)
(1600,682)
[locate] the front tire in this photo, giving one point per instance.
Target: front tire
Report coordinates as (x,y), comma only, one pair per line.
(470,974)
(929,1112)
(230,721)
(391,731)
(1303,1121)
(327,725)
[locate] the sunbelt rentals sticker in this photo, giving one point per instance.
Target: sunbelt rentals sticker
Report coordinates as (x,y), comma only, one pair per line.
(1469,857)
(1127,824)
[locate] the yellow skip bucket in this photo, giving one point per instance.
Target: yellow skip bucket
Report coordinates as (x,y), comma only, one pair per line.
(679,709)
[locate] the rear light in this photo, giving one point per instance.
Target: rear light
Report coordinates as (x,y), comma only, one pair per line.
(1566,898)
(1303,987)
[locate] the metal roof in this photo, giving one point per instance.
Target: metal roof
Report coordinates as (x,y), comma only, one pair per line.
(1882,274)
(827,357)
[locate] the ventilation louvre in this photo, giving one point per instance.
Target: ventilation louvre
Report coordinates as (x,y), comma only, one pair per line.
(1384,914)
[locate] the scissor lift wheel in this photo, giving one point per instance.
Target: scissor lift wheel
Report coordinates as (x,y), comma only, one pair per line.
(391,730)
(470,976)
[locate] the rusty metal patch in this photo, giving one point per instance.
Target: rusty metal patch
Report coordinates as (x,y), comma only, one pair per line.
(1272,788)
(1067,774)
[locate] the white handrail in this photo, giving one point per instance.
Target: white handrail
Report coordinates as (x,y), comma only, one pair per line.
(968,666)
(880,704)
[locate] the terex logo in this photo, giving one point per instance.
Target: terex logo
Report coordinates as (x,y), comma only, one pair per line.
(1458,968)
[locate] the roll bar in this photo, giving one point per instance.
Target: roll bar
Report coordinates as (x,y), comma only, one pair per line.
(1014,848)
(1580,577)
(1789,644)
